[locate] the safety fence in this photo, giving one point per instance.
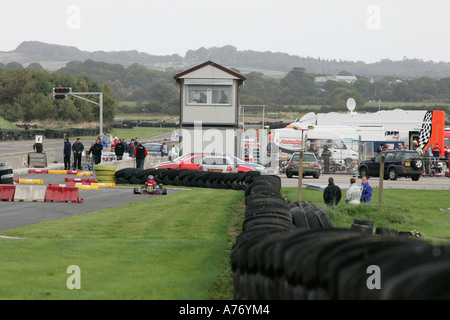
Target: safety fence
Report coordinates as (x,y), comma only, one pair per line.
(291,250)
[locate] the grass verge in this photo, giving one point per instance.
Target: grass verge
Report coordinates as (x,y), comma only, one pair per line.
(404,210)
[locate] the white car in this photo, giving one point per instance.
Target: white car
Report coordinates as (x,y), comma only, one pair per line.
(222,164)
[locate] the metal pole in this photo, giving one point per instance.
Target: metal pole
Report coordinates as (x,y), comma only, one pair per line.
(359,152)
(300,175)
(101,113)
(380,186)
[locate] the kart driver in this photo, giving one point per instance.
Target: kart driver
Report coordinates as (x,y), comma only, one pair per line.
(150,181)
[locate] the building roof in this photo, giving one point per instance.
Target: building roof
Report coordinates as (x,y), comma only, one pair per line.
(235,74)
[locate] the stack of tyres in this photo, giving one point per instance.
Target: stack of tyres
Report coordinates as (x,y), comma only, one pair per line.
(307,215)
(362,225)
(105,173)
(6,173)
(188,178)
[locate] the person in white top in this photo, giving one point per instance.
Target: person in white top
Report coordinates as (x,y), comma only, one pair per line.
(353,194)
(175,152)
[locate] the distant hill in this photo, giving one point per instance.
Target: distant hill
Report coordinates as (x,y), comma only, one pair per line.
(273,64)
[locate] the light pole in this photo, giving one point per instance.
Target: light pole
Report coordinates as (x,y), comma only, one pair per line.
(137,128)
(160,129)
(62,93)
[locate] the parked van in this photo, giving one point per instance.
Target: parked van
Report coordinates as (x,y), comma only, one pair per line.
(290,139)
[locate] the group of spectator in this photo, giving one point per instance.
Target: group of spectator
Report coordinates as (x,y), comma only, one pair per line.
(431,156)
(135,149)
(355,194)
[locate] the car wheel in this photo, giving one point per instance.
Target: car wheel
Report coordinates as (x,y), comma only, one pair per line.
(417,164)
(316,176)
(363,172)
(289,174)
(415,178)
(393,175)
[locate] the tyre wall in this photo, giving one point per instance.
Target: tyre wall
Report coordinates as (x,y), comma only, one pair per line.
(187,178)
(291,250)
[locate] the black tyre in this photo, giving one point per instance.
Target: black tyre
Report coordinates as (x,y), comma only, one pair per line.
(363,172)
(137,191)
(362,221)
(299,218)
(393,174)
(289,174)
(417,164)
(323,218)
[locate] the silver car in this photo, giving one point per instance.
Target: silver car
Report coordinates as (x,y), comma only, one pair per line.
(218,164)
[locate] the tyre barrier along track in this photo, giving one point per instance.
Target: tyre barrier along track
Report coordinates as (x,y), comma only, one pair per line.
(291,250)
(187,178)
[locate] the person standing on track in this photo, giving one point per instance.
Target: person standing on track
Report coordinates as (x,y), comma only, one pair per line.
(97,151)
(66,153)
(77,149)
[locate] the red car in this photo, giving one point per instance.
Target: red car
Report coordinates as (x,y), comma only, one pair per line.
(192,161)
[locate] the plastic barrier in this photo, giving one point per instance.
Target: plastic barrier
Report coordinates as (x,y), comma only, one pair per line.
(92,186)
(72,184)
(72,171)
(37,171)
(29,181)
(59,193)
(84,173)
(81,180)
(57,171)
(30,193)
(106,185)
(7,192)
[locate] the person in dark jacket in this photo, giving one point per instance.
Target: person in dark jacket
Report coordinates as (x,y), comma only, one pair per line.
(67,152)
(326,155)
(332,193)
(140,152)
(77,149)
(97,151)
(119,149)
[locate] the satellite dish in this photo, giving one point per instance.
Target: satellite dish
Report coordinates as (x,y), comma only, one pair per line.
(351,104)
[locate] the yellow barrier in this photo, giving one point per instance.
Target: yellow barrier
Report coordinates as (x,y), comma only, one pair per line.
(57,171)
(84,173)
(31,181)
(106,185)
(92,186)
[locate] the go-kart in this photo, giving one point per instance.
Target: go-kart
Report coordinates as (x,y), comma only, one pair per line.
(151,189)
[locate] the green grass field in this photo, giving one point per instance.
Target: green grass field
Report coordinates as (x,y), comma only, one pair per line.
(403,210)
(173,247)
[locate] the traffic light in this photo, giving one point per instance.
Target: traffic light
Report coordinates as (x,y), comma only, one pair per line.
(61,93)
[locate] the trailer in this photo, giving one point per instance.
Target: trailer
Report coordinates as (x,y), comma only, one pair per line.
(421,127)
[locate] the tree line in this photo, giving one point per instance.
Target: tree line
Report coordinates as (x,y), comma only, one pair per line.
(26,93)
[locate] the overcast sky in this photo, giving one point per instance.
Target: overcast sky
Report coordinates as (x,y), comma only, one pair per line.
(347,29)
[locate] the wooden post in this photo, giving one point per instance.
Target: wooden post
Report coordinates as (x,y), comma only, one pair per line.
(380,187)
(359,153)
(300,175)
